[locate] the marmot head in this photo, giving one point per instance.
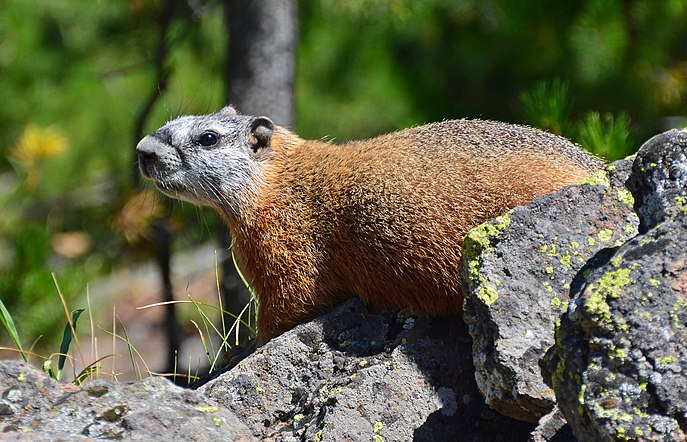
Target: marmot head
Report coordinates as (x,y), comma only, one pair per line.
(210,160)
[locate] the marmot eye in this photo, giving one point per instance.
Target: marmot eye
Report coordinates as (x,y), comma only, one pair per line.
(208,139)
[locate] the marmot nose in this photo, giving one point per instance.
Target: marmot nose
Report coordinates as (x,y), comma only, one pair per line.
(148,150)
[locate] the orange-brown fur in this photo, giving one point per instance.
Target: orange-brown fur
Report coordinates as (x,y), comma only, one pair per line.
(384,218)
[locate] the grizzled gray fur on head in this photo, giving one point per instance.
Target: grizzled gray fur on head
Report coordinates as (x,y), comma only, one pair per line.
(210,160)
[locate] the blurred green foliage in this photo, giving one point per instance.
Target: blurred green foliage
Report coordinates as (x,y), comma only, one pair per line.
(605,73)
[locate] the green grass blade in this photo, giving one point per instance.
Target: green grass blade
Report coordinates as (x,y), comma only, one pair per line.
(8,322)
(66,341)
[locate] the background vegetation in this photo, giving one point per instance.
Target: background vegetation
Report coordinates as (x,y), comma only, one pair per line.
(74,75)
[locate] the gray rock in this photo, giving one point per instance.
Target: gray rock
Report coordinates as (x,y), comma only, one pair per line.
(619,366)
(519,269)
(35,407)
(360,374)
(552,427)
(659,177)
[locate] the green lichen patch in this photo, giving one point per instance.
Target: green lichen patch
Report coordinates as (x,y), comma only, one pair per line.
(597,306)
(477,242)
(479,238)
(566,260)
(625,197)
(486,293)
(599,178)
(615,262)
(612,283)
(561,305)
(605,235)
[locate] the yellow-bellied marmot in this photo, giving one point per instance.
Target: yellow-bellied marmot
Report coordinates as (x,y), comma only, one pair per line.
(315,222)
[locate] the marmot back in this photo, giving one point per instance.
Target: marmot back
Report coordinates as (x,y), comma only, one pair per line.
(314,223)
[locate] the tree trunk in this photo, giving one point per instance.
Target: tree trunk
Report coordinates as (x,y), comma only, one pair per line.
(259,78)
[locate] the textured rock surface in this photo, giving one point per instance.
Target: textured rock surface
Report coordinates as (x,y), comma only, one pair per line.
(358,374)
(659,177)
(35,407)
(519,269)
(552,428)
(619,366)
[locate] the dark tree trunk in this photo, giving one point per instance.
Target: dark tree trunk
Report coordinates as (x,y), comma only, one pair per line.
(259,79)
(262,57)
(162,235)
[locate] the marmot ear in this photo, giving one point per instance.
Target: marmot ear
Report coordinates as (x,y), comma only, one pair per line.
(228,110)
(261,129)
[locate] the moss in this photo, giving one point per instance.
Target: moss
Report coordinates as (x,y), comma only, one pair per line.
(114,414)
(599,178)
(97,390)
(625,197)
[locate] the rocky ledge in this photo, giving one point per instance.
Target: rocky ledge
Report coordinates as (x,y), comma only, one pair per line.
(575,310)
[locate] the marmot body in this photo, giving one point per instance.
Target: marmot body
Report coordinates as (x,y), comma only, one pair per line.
(314,222)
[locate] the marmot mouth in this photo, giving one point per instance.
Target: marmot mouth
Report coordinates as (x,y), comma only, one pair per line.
(170,187)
